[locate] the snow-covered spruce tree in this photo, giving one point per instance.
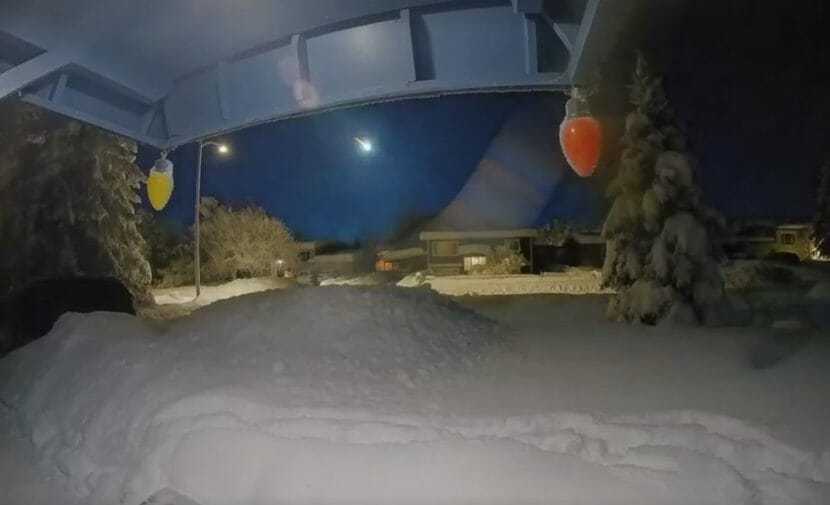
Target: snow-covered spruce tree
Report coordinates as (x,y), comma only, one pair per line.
(660,255)
(821,222)
(68,205)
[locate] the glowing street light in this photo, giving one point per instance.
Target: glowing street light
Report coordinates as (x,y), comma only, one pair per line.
(197,207)
(364,144)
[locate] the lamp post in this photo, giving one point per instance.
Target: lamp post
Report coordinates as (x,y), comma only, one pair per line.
(221,149)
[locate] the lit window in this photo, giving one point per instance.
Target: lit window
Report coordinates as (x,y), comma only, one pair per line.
(384,266)
(471,261)
(445,248)
(788,238)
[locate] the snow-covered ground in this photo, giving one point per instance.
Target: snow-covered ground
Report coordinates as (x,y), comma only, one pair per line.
(573,281)
(388,395)
(210,294)
(371,279)
(178,301)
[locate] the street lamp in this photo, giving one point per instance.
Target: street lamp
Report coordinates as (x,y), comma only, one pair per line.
(221,149)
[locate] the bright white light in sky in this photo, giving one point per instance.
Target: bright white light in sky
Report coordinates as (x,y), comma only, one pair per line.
(364,144)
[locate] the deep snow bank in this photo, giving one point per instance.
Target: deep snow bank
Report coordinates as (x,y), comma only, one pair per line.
(346,395)
(107,398)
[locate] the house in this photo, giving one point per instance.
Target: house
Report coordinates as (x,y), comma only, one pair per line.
(761,241)
(456,252)
(581,248)
(411,259)
(591,248)
(338,264)
(794,239)
(308,249)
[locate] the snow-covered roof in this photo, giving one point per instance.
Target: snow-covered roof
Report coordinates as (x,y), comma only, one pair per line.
(795,226)
(747,239)
(589,238)
(402,254)
(477,249)
(456,235)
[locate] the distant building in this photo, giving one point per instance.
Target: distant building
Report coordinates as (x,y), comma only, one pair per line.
(757,241)
(795,239)
(338,264)
(311,248)
(581,248)
(456,252)
(411,259)
(308,249)
(591,248)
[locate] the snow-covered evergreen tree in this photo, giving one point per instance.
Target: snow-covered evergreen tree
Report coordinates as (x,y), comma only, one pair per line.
(821,223)
(68,202)
(659,249)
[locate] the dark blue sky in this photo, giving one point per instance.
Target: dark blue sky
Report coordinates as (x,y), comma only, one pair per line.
(309,172)
(749,81)
(750,96)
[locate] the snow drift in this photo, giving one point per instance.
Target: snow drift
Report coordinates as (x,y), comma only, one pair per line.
(355,395)
(109,400)
(573,281)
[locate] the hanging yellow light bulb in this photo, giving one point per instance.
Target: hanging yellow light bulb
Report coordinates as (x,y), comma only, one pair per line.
(160,182)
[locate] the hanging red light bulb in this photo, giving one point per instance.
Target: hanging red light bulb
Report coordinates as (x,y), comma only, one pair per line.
(580,136)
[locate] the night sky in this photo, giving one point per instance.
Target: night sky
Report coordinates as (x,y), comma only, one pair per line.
(751,97)
(749,80)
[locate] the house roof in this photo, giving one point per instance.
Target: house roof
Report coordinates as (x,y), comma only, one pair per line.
(480,234)
(402,254)
(475,250)
(587,238)
(746,239)
(343,257)
(795,226)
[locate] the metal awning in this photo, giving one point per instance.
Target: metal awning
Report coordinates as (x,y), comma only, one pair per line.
(166,72)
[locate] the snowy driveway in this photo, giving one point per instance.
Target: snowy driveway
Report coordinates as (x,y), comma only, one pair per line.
(384,395)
